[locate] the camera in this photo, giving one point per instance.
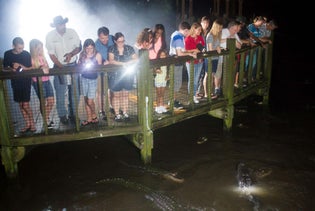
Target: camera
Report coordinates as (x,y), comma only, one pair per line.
(19,69)
(201,48)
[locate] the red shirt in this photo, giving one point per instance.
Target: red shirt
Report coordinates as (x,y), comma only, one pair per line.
(192,42)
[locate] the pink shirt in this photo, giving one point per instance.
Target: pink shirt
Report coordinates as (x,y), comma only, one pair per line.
(42,64)
(157,47)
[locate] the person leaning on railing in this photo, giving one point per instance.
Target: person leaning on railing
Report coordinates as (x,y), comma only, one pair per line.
(195,43)
(103,42)
(229,32)
(177,48)
(19,60)
(63,44)
(39,62)
(89,57)
(213,41)
(121,81)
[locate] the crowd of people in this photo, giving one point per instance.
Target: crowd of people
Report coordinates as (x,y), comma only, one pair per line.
(65,49)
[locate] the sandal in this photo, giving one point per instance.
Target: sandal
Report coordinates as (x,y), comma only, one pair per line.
(85,123)
(26,129)
(94,120)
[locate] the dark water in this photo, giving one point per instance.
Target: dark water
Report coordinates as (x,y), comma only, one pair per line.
(276,143)
(107,174)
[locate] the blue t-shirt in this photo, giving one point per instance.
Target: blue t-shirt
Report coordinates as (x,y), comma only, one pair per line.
(177,42)
(256,32)
(103,49)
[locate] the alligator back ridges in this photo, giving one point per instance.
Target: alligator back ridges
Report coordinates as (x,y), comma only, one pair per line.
(159,199)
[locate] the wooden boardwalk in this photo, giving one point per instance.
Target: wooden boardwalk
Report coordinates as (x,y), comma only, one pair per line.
(143,119)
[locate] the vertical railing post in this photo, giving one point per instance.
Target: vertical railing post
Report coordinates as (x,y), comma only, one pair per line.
(209,79)
(250,66)
(7,151)
(171,88)
(268,69)
(191,83)
(259,63)
(76,96)
(229,76)
(145,106)
(242,69)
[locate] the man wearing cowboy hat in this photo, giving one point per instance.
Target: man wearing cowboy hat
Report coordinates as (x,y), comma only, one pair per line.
(62,45)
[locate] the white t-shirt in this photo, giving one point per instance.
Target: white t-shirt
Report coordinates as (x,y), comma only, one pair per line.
(226,34)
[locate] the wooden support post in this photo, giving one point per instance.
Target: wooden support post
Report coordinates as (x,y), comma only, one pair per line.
(145,106)
(229,83)
(268,69)
(7,151)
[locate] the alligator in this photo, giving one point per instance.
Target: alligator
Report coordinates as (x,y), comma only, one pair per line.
(172,176)
(159,199)
(243,176)
(246,177)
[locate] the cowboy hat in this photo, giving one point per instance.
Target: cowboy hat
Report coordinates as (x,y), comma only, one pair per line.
(58,20)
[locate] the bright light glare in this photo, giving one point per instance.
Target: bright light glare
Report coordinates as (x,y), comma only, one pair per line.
(130,68)
(88,65)
(35,16)
(249,190)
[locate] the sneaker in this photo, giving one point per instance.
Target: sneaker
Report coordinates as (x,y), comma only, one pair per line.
(158,110)
(126,116)
(217,92)
(64,120)
(102,115)
(72,119)
(118,118)
(163,109)
(244,85)
(196,101)
(177,105)
(236,85)
(112,110)
(50,125)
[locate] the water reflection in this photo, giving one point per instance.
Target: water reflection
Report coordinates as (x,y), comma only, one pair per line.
(108,174)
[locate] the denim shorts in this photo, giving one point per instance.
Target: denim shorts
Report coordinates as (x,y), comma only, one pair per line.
(119,81)
(215,65)
(89,87)
(48,90)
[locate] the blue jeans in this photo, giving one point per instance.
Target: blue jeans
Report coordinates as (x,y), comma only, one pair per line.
(61,88)
(197,71)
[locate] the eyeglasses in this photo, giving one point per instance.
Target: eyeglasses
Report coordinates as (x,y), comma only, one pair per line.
(120,41)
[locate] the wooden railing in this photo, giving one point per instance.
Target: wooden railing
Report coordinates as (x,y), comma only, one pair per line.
(143,119)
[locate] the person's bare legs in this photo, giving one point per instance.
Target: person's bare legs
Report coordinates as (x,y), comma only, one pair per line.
(91,105)
(28,116)
(88,109)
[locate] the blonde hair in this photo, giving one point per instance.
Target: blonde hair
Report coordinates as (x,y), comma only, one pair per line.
(35,54)
(216,29)
(193,27)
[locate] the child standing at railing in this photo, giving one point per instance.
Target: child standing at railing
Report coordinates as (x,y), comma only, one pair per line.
(160,83)
(39,62)
(89,57)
